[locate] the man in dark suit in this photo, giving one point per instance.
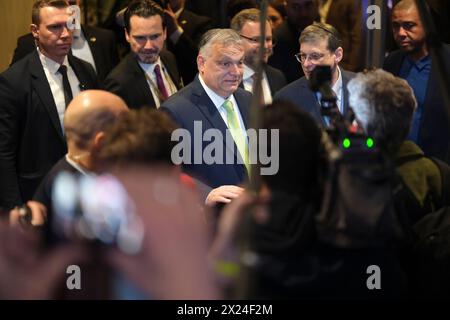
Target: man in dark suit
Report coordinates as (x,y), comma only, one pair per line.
(247,24)
(213,102)
(319,45)
(94,45)
(85,121)
(34,93)
(184,30)
(299,15)
(148,75)
(430,127)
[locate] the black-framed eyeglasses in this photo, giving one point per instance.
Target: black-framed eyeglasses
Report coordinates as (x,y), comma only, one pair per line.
(256,40)
(313,57)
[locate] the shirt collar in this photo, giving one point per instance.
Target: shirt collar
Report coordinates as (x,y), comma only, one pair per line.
(215,98)
(51,65)
(78,35)
(150,67)
(78,167)
(338,85)
(248,72)
(421,63)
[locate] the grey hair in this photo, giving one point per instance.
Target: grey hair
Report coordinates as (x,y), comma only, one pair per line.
(225,37)
(384,105)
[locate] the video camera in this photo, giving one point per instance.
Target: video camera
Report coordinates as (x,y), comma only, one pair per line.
(340,129)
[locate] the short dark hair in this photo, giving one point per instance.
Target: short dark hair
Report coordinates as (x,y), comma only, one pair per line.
(300,149)
(39,4)
(143,9)
(322,31)
(140,136)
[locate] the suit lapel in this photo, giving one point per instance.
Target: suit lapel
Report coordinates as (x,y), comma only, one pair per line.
(83,78)
(170,69)
(270,79)
(139,74)
(310,102)
(40,83)
(345,80)
(92,42)
(243,106)
(210,112)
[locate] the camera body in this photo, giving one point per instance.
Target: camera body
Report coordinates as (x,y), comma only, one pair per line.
(96,209)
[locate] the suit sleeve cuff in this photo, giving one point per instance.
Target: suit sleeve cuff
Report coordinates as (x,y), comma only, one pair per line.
(176,35)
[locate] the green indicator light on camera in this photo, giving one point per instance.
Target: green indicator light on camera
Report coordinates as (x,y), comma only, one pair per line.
(346,143)
(369,143)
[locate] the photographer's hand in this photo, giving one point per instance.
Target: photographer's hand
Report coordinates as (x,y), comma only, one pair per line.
(38,215)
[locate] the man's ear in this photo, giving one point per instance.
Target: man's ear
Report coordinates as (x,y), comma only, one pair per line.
(200,63)
(34,31)
(98,140)
(127,36)
(339,53)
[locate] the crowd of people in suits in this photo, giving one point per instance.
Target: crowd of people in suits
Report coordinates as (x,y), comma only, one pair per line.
(70,101)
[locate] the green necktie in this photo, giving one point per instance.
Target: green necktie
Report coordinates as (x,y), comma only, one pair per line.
(236,132)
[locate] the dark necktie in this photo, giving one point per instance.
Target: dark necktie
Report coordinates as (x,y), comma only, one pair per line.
(160,83)
(66,85)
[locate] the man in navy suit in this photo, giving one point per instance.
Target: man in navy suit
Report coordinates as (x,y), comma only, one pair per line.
(319,45)
(430,126)
(215,101)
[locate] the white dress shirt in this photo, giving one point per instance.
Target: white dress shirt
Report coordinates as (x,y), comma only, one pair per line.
(54,79)
(218,103)
(81,49)
(247,80)
(151,79)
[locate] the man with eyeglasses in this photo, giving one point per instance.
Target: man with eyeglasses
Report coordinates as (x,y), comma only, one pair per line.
(247,24)
(320,44)
(430,127)
(148,75)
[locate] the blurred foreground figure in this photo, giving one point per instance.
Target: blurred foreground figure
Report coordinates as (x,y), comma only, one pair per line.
(384,106)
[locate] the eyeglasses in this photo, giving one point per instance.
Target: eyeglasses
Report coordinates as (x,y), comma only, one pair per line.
(313,57)
(256,40)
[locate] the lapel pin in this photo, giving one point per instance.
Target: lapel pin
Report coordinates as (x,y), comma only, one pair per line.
(93,39)
(183,21)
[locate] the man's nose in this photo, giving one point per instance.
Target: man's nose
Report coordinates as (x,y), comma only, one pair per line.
(235,69)
(66,32)
(308,63)
(402,32)
(148,44)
